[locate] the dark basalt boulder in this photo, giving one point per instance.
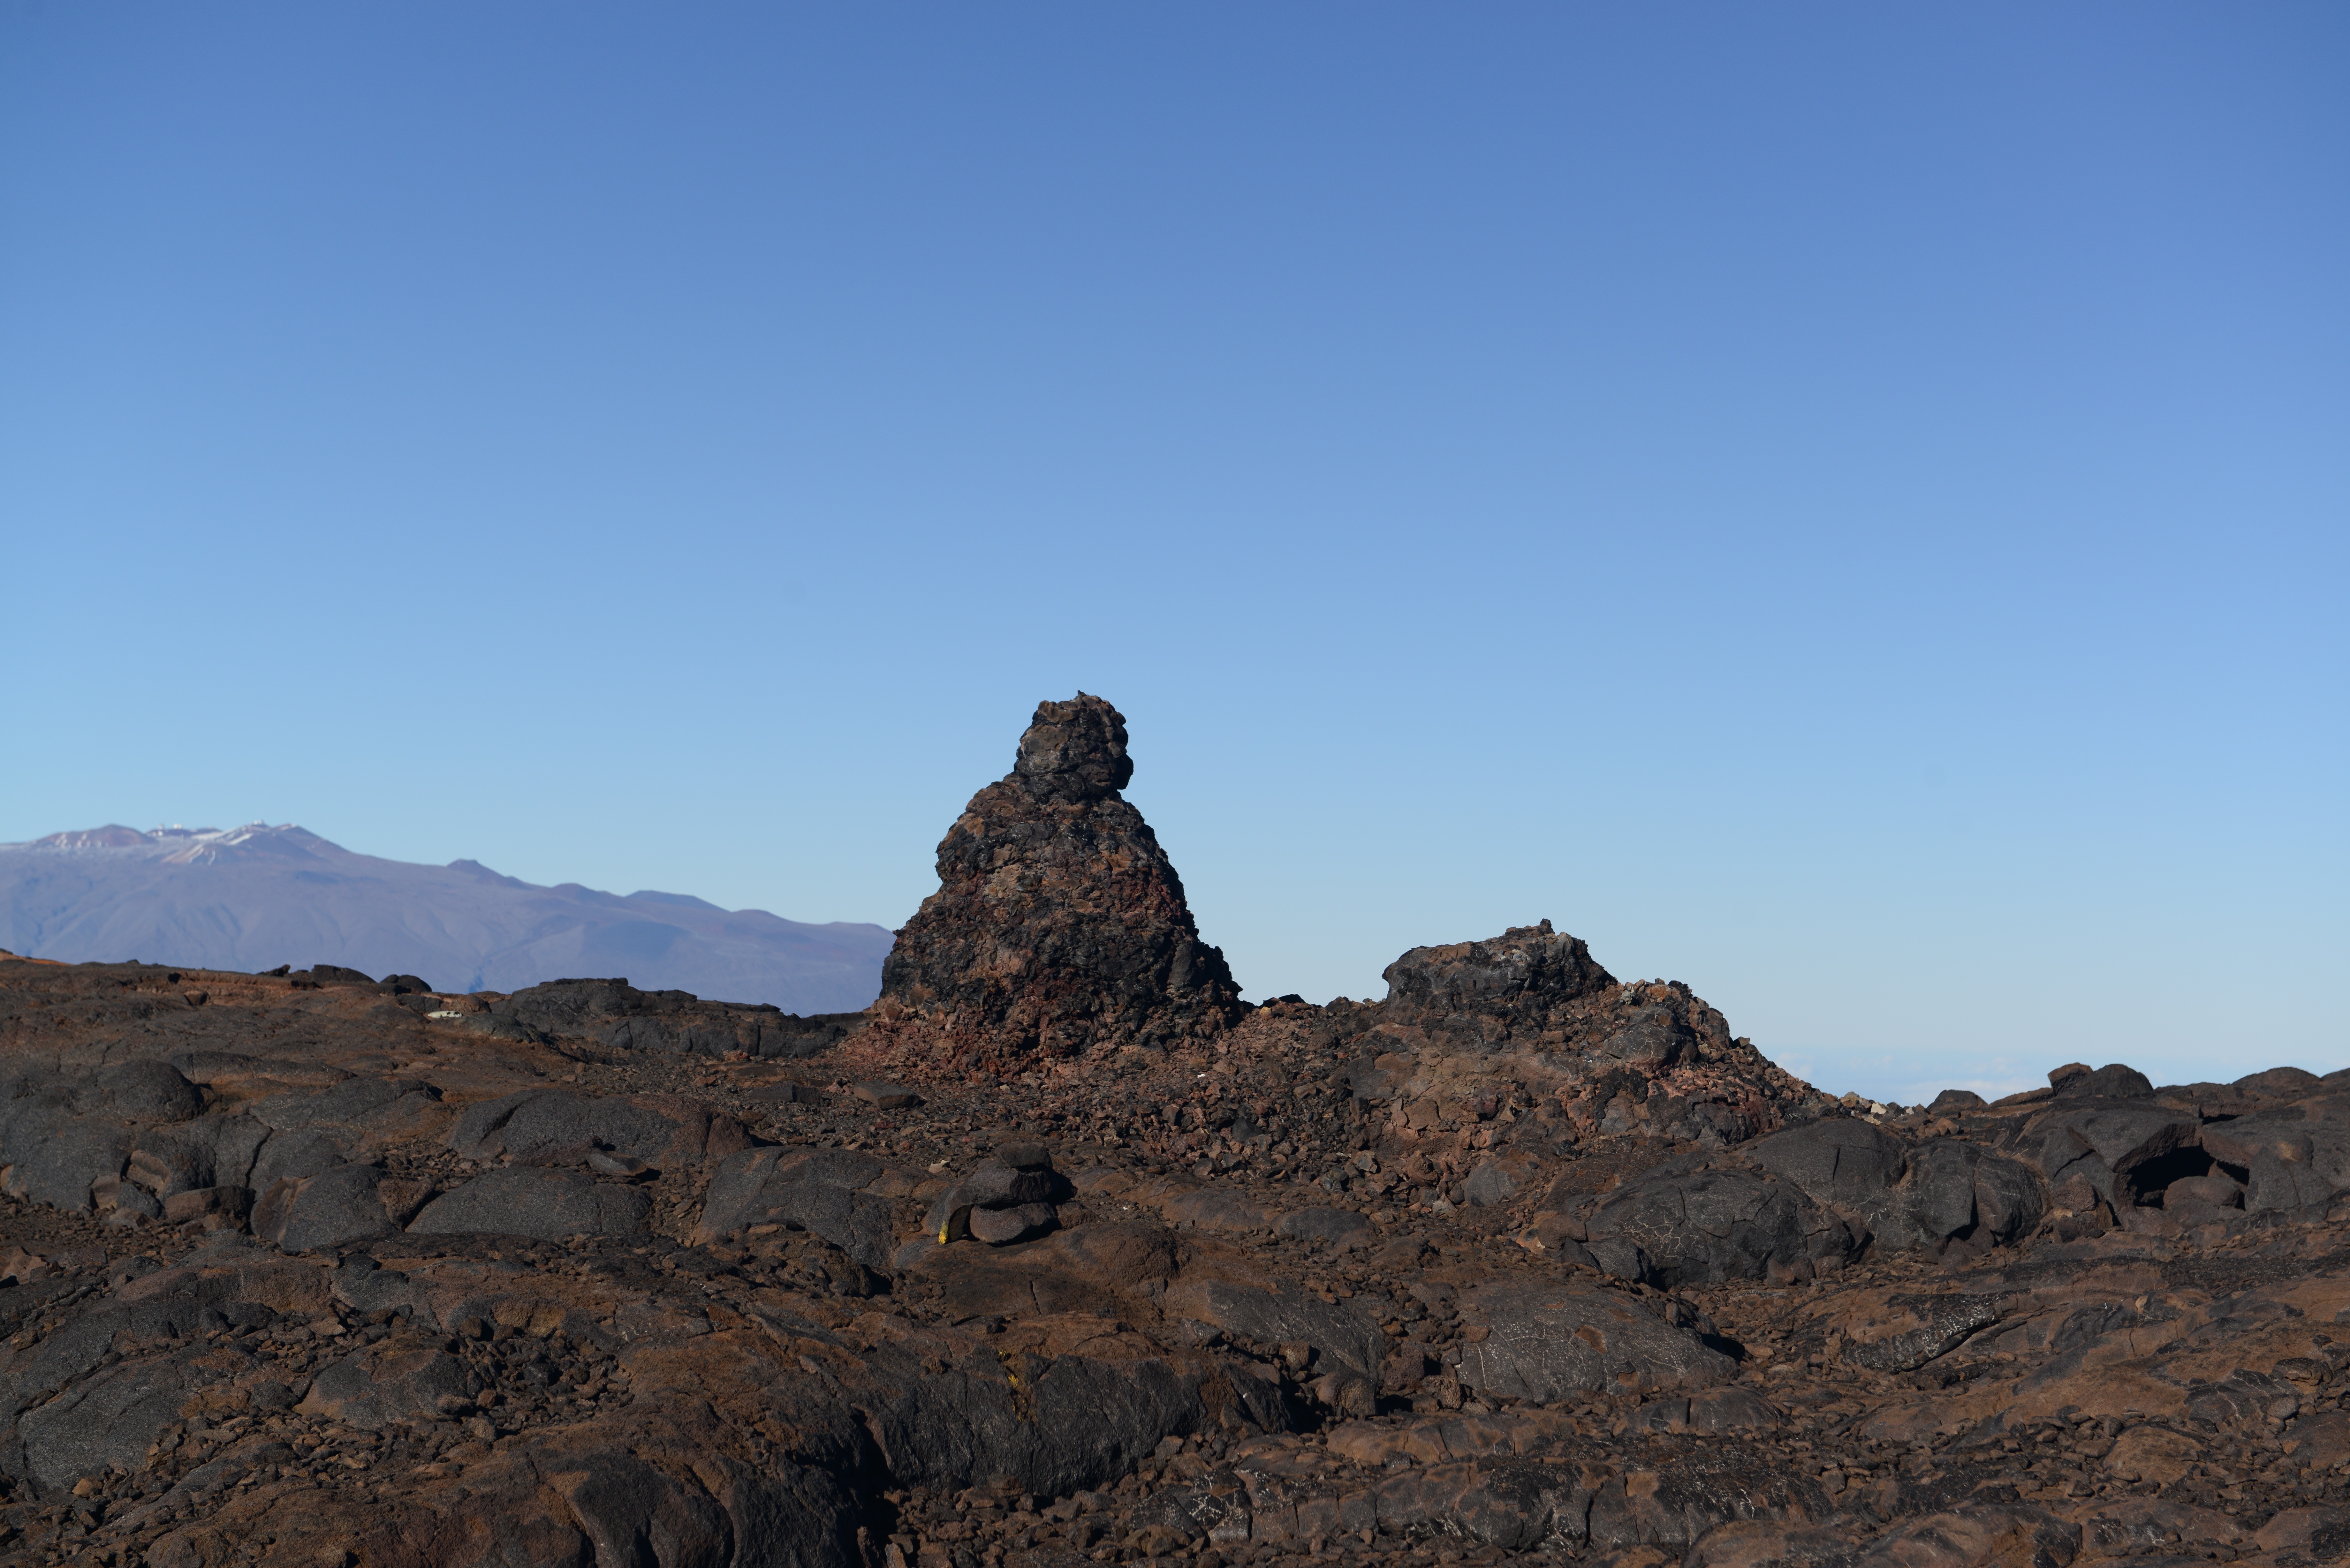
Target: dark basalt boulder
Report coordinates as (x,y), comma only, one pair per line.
(1549,1341)
(399,1382)
(109,1420)
(1056,1424)
(294,1154)
(2286,1156)
(1341,1228)
(54,1156)
(1059,922)
(1488,993)
(1834,1160)
(363,1104)
(1672,1227)
(1001,1202)
(211,1151)
(558,1126)
(543,1204)
(2112,1081)
(330,975)
(1955,1193)
(2280,1083)
(1709,1410)
(1342,1334)
(1908,1200)
(2118,1153)
(149,1092)
(405,985)
(841,1195)
(332,1208)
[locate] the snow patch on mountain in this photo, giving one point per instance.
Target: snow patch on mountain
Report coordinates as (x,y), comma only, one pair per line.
(259,895)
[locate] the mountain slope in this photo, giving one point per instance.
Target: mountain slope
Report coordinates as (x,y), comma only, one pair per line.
(255,897)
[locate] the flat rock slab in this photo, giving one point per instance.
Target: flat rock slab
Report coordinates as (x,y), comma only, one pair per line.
(1834,1160)
(1704,1226)
(786,1094)
(1098,1269)
(332,1208)
(836,1193)
(2321,1534)
(886,1096)
(1213,1211)
(546,1205)
(2001,1533)
(2132,1525)
(407,1382)
(561,1126)
(1517,1434)
(109,1420)
(1758,1542)
(1709,1410)
(1341,1333)
(1552,1342)
(1003,1227)
(1341,1228)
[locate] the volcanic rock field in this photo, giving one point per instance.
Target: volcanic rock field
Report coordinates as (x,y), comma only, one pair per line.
(1060,1254)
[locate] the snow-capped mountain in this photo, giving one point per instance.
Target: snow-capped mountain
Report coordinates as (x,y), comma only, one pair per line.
(255,897)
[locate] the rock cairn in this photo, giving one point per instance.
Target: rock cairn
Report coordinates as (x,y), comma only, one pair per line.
(1059,923)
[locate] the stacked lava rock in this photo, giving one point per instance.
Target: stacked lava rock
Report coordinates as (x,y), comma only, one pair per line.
(1649,1057)
(1058,923)
(1530,985)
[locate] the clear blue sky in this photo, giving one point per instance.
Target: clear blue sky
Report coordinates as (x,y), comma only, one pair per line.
(1840,504)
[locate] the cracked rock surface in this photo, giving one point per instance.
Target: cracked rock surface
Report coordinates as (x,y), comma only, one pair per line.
(296,1274)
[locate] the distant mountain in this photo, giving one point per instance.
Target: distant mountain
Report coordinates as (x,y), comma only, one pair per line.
(255,897)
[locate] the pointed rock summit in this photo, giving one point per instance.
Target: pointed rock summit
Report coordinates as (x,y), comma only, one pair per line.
(1059,922)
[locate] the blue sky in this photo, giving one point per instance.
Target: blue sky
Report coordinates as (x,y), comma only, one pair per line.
(1843,505)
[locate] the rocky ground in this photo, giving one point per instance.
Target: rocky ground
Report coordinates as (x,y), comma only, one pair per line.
(303,1270)
(1062,1254)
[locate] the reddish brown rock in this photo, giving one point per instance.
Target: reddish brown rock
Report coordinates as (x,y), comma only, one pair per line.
(1059,922)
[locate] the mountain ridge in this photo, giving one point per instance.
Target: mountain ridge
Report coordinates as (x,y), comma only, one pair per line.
(258,895)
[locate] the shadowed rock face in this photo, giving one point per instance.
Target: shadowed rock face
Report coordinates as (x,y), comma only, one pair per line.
(1059,922)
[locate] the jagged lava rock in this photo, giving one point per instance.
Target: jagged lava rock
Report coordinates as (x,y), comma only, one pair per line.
(1059,922)
(1516,986)
(1642,1058)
